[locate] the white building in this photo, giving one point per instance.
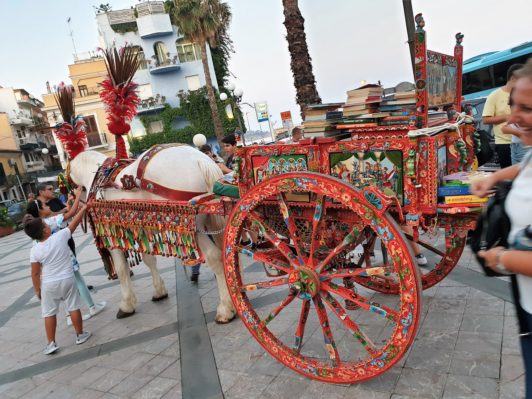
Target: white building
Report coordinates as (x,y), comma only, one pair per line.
(170,63)
(28,126)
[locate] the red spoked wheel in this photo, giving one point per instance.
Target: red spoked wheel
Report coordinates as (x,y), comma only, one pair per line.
(441,248)
(300,314)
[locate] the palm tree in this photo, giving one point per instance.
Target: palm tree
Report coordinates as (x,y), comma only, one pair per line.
(300,63)
(205,22)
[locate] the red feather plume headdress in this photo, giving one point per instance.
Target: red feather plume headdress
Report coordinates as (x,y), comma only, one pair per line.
(119,93)
(71,132)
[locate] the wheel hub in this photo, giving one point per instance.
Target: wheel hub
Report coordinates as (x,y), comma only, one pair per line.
(305,281)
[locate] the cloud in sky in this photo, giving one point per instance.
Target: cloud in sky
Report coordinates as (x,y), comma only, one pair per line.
(349,41)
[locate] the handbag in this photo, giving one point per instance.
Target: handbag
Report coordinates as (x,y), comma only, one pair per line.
(493,226)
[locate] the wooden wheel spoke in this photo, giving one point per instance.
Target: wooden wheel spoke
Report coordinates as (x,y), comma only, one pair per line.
(316,224)
(330,345)
(264,284)
(350,324)
(426,245)
(292,228)
(275,239)
(289,298)
(300,332)
(267,257)
(388,313)
(348,240)
(384,270)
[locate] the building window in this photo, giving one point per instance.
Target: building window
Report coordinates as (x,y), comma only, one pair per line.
(93,135)
(83,91)
(156,127)
(2,177)
(193,82)
(161,54)
(187,51)
(143,63)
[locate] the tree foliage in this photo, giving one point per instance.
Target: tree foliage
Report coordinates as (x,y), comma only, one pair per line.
(205,22)
(300,61)
(195,109)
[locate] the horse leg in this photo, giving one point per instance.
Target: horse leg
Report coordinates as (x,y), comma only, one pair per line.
(129,300)
(158,283)
(225,312)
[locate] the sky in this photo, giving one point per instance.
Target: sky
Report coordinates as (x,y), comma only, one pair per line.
(349,41)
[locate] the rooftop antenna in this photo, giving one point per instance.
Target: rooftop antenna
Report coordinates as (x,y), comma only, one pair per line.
(72,38)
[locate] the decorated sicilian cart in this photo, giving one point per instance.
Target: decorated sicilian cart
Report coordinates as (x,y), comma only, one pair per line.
(337,294)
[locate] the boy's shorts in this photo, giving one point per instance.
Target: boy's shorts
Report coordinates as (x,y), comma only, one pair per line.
(56,291)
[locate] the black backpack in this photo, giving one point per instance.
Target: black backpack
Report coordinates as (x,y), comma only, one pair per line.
(493,226)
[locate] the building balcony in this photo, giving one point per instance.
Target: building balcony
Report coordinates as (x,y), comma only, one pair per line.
(28,143)
(170,64)
(151,104)
(152,26)
(21,120)
(34,166)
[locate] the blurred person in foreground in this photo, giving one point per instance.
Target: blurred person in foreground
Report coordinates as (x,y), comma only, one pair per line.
(517,259)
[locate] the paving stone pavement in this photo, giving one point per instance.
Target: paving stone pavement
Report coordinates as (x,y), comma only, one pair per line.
(466,347)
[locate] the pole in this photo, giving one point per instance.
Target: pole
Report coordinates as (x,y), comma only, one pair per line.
(21,188)
(247,119)
(72,38)
(410,28)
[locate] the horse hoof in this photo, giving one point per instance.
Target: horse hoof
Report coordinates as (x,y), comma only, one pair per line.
(224,321)
(122,315)
(154,299)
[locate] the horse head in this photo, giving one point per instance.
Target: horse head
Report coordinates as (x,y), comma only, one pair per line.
(84,166)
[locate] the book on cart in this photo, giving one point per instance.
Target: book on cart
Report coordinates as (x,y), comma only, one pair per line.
(465,199)
(450,191)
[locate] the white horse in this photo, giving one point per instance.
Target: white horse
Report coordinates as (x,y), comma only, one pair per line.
(182,168)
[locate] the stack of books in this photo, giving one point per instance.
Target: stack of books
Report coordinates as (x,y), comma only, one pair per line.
(401,105)
(320,118)
(456,188)
(363,100)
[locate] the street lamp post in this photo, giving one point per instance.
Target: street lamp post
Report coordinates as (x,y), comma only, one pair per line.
(236,96)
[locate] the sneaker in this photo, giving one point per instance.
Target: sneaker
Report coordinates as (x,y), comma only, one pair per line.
(97,308)
(421,260)
(84,317)
(50,348)
(83,337)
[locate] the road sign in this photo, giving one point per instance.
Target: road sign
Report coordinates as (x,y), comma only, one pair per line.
(262,111)
(286,118)
(286,115)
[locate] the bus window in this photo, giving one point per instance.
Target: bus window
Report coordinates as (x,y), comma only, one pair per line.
(500,69)
(478,80)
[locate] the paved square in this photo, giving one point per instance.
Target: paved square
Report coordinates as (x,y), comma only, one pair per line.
(467,344)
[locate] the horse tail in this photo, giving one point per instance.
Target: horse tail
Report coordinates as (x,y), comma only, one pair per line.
(210,171)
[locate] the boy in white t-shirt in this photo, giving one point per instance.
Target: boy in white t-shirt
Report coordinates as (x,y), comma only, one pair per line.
(53,277)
